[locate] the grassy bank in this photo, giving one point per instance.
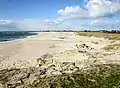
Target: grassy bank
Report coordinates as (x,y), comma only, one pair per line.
(112,47)
(110,36)
(98,76)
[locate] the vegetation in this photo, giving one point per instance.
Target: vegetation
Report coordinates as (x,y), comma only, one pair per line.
(112,47)
(99,76)
(110,36)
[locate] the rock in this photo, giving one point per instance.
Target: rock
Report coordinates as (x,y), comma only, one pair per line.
(14,84)
(56,73)
(42,71)
(20,86)
(64,64)
(68,72)
(45,56)
(23,75)
(68,66)
(83,48)
(51,65)
(44,59)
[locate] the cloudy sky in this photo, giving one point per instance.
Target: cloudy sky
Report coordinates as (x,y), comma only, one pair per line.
(59,14)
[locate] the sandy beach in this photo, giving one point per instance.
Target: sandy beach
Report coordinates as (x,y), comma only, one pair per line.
(34,61)
(58,44)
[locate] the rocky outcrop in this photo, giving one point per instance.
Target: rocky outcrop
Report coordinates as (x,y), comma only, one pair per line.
(83,48)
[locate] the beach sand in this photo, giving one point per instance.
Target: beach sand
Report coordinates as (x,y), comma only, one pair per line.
(62,45)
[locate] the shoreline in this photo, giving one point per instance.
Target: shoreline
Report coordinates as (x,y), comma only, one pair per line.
(20,39)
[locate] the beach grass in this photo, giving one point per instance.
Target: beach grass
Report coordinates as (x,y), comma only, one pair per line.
(110,36)
(112,47)
(99,76)
(96,76)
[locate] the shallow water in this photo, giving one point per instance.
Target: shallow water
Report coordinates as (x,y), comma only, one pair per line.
(12,35)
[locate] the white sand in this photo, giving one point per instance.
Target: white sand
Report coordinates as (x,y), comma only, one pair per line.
(30,49)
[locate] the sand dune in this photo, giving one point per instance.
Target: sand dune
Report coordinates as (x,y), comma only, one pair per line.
(62,45)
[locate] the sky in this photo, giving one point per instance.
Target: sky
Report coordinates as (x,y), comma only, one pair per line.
(35,15)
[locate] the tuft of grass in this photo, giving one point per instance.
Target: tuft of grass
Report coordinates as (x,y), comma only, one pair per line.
(96,76)
(110,36)
(112,47)
(99,76)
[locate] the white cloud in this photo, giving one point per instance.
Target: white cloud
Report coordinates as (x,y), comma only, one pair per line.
(25,25)
(36,24)
(8,25)
(53,21)
(101,8)
(94,9)
(106,23)
(29,24)
(73,12)
(5,22)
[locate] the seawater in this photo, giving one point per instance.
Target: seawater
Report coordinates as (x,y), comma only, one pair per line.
(13,35)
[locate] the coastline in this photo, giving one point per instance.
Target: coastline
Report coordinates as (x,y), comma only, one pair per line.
(19,39)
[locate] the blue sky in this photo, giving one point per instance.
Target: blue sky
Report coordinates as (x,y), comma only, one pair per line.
(59,14)
(22,9)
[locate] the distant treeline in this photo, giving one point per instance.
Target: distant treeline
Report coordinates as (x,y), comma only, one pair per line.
(112,31)
(59,31)
(104,31)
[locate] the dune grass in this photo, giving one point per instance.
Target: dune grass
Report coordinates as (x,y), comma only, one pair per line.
(112,47)
(99,76)
(96,76)
(110,36)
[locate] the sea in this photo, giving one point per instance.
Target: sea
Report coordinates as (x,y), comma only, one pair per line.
(13,35)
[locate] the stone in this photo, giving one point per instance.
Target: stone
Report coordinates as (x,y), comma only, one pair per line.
(44,59)
(32,78)
(56,73)
(83,48)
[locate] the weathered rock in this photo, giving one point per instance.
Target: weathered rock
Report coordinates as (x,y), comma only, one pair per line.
(44,59)
(83,48)
(14,84)
(42,71)
(56,73)
(46,56)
